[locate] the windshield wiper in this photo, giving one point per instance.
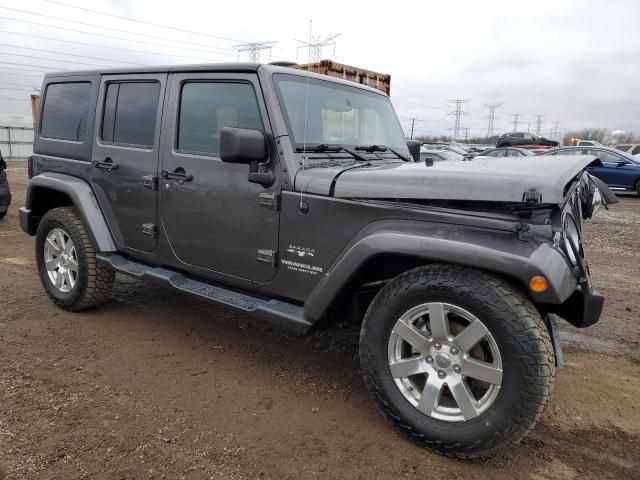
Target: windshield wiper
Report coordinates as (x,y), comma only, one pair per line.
(383,148)
(323,147)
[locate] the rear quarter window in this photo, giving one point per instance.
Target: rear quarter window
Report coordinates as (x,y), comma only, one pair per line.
(65,111)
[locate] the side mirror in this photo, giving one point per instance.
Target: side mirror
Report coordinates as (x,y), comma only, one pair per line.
(414,149)
(241,145)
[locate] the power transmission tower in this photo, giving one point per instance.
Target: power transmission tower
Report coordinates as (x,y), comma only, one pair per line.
(492,117)
(317,43)
(458,113)
(466,134)
(555,133)
(516,117)
(539,118)
(254,49)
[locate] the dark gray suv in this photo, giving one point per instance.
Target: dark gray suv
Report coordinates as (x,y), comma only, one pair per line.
(293,197)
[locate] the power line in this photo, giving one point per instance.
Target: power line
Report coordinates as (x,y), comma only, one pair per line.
(145,22)
(458,113)
(539,118)
(108,28)
(68,54)
(515,116)
(15,84)
(102,46)
(316,44)
(254,49)
(28,65)
(2,72)
(55,60)
(492,117)
(19,89)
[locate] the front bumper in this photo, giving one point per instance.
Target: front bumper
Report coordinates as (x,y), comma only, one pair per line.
(583,308)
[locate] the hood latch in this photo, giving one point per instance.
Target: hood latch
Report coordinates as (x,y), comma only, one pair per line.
(532,196)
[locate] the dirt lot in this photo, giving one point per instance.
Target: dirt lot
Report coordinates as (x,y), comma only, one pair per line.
(158,385)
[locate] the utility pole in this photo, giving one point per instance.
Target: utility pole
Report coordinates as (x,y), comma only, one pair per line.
(413,124)
(457,113)
(515,116)
(556,132)
(466,134)
(539,118)
(254,49)
(492,117)
(317,43)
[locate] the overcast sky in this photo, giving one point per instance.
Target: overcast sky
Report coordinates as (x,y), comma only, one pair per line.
(576,62)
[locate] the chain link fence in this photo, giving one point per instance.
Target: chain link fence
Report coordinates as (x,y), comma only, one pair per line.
(16,143)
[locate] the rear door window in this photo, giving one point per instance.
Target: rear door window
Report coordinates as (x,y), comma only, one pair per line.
(65,111)
(130,113)
(636,150)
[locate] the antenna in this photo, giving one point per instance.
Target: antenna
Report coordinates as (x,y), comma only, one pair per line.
(316,44)
(458,113)
(254,49)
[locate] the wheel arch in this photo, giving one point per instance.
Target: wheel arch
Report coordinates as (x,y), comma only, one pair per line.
(52,190)
(381,255)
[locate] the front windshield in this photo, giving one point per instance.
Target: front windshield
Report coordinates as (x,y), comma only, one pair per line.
(458,149)
(337,114)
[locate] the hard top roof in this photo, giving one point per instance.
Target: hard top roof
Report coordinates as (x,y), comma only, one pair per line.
(235,67)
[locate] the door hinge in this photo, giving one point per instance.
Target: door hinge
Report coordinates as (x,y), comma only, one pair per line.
(150,229)
(269,200)
(150,182)
(267,256)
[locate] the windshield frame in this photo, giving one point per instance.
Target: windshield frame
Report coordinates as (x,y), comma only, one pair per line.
(296,144)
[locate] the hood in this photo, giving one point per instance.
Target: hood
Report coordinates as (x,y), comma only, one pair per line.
(482,179)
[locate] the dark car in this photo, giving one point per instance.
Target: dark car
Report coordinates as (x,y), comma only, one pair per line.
(619,170)
(523,138)
(5,193)
(507,152)
(291,196)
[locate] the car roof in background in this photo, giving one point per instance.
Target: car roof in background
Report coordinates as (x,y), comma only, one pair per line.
(598,147)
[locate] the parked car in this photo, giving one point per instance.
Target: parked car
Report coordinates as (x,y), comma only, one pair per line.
(448,147)
(630,148)
(274,192)
(523,138)
(619,170)
(5,192)
(428,155)
(506,152)
(588,143)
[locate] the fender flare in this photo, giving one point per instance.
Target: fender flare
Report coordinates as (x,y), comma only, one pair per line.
(83,199)
(498,252)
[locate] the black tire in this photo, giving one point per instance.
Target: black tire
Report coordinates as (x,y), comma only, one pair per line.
(521,337)
(3,213)
(94,282)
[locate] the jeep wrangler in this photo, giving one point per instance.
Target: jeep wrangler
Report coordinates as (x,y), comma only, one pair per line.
(296,198)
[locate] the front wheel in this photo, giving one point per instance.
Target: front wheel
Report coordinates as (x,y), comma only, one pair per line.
(458,359)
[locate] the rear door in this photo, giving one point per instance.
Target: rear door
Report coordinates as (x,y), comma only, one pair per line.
(610,172)
(213,217)
(125,156)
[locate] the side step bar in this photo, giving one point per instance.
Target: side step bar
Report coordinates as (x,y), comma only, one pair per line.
(281,313)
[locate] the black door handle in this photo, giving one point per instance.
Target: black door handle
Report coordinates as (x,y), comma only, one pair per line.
(178,174)
(107,165)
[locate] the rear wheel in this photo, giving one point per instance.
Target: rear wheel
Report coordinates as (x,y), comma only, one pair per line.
(456,358)
(67,264)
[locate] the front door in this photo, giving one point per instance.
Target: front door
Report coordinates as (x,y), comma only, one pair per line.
(125,156)
(213,217)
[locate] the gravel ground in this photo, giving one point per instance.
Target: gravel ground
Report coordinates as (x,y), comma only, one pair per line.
(159,385)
